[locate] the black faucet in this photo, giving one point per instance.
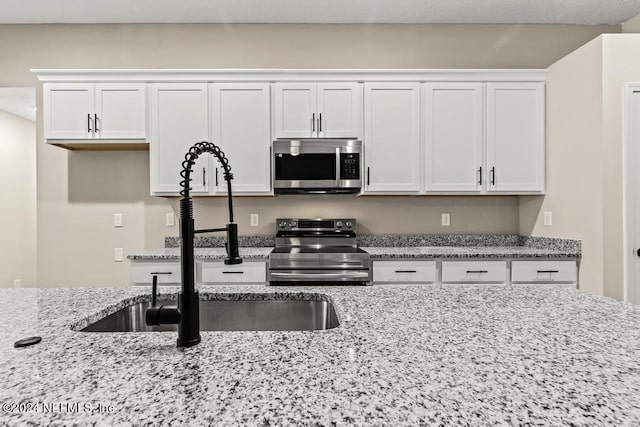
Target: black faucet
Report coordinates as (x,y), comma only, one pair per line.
(186,314)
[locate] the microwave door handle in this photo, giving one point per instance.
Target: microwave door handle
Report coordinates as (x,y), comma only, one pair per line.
(338,167)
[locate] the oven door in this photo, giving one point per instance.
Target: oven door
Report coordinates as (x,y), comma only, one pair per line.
(329,265)
(356,277)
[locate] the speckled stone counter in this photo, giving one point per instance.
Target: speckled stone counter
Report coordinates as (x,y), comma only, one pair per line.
(201,253)
(467,252)
(472,355)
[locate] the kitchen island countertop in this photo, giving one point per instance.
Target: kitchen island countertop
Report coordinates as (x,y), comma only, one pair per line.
(464,354)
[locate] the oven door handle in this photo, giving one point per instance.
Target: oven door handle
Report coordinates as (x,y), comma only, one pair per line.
(321,275)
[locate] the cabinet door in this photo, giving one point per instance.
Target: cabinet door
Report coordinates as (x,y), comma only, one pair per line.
(179,119)
(68,110)
(339,109)
(392,137)
(515,137)
(120,110)
(453,136)
(295,110)
(241,127)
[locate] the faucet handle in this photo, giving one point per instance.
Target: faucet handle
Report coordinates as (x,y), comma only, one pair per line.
(160,315)
(154,286)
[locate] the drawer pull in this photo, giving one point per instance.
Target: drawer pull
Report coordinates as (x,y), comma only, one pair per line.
(548,271)
(160,272)
(232,272)
(476,271)
(406,271)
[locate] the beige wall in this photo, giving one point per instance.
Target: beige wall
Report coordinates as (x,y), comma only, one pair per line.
(79,192)
(574,161)
(632,25)
(18,195)
(585,157)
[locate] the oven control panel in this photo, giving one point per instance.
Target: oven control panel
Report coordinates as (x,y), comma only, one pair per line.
(316,224)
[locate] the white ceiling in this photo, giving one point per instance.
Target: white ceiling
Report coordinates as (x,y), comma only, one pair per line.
(588,12)
(19,101)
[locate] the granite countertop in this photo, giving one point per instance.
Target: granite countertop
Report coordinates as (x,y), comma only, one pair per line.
(467,252)
(464,354)
(381,252)
(260,253)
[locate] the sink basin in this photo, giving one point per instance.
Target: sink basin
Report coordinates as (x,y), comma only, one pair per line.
(231,315)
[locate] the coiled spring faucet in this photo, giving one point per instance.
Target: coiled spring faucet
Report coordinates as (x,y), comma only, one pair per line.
(187,313)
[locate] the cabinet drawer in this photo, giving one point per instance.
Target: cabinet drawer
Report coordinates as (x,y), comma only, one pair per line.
(474,271)
(544,271)
(404,271)
(141,273)
(218,272)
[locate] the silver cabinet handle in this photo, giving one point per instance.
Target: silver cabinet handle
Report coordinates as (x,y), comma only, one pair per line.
(313,122)
(233,272)
(96,123)
(320,123)
(477,271)
(548,271)
(406,271)
(493,175)
(204,177)
(89,124)
(480,175)
(216,177)
(160,272)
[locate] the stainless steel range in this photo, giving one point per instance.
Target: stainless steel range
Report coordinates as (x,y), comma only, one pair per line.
(318,251)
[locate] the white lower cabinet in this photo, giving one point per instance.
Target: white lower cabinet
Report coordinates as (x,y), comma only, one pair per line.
(474,272)
(218,273)
(406,271)
(544,272)
(168,272)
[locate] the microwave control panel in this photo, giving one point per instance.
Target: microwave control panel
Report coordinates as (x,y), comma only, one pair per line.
(349,165)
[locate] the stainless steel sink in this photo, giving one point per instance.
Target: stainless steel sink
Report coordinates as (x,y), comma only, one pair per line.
(225,315)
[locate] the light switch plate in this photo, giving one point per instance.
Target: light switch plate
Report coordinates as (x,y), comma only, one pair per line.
(446,219)
(255,220)
(118,254)
(548,218)
(170,220)
(117,220)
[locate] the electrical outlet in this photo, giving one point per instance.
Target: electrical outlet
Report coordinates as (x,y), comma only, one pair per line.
(118,255)
(17,283)
(548,219)
(170,220)
(446,219)
(255,220)
(117,220)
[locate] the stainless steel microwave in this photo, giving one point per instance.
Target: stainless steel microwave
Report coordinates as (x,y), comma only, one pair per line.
(317,166)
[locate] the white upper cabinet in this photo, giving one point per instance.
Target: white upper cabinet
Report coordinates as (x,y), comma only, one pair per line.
(94,111)
(318,110)
(453,137)
(240,125)
(392,138)
(121,111)
(68,110)
(339,110)
(179,119)
(515,137)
